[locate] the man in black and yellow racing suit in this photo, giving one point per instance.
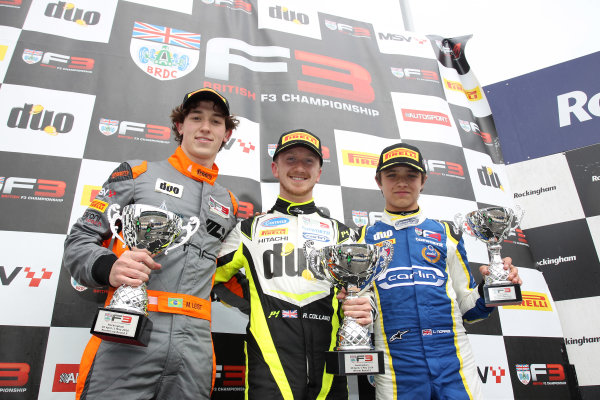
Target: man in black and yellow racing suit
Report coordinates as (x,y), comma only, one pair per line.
(294,318)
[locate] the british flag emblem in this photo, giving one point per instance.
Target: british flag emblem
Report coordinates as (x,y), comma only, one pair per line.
(289,313)
(163,52)
(166,35)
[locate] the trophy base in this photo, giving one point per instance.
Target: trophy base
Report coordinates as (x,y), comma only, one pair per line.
(348,362)
(508,294)
(122,327)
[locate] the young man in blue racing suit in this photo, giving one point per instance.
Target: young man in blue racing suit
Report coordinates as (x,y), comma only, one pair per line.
(425,293)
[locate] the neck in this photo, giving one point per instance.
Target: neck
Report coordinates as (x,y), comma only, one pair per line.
(206,163)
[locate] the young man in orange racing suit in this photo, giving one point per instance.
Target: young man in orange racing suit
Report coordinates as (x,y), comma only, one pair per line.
(425,293)
(294,318)
(178,362)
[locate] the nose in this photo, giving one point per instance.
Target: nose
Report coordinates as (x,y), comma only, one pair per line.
(205,125)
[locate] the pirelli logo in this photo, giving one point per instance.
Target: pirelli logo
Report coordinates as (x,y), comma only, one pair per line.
(453,85)
(474,94)
(99,205)
(533,301)
(300,136)
(273,232)
(405,153)
(358,159)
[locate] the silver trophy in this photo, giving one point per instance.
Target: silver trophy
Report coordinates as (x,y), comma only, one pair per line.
(492,225)
(157,230)
(353,267)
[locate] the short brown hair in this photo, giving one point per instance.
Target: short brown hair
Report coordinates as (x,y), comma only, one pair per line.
(180,112)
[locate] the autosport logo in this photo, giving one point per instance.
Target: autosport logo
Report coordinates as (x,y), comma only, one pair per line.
(275,221)
(410,276)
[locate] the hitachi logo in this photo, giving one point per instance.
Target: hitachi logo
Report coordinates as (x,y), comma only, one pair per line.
(556,261)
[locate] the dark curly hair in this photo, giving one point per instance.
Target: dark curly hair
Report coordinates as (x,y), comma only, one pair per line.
(180,112)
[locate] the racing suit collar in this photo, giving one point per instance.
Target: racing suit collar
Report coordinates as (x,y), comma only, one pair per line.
(399,221)
(189,168)
(287,207)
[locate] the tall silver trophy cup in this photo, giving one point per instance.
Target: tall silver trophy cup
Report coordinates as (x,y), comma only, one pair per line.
(125,319)
(492,225)
(353,267)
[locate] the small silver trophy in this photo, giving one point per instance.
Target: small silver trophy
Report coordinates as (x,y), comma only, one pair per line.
(492,225)
(353,267)
(125,319)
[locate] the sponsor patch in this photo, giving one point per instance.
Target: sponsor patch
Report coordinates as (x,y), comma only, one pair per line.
(275,221)
(99,205)
(315,236)
(218,208)
(172,189)
(273,232)
(431,254)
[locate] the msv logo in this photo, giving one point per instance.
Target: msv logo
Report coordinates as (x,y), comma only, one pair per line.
(409,276)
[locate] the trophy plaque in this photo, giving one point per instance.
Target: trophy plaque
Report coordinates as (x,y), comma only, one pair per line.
(125,319)
(492,225)
(353,267)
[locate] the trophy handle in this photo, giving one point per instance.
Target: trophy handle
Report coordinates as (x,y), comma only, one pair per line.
(459,222)
(114,214)
(519,213)
(190,228)
(385,255)
(313,259)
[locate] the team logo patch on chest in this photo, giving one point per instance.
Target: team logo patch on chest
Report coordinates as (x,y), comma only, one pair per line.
(431,254)
(172,189)
(218,208)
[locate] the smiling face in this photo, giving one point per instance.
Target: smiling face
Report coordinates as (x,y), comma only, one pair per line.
(401,186)
(204,132)
(298,170)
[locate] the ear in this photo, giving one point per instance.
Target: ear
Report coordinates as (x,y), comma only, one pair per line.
(274,169)
(227,135)
(319,177)
(178,126)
